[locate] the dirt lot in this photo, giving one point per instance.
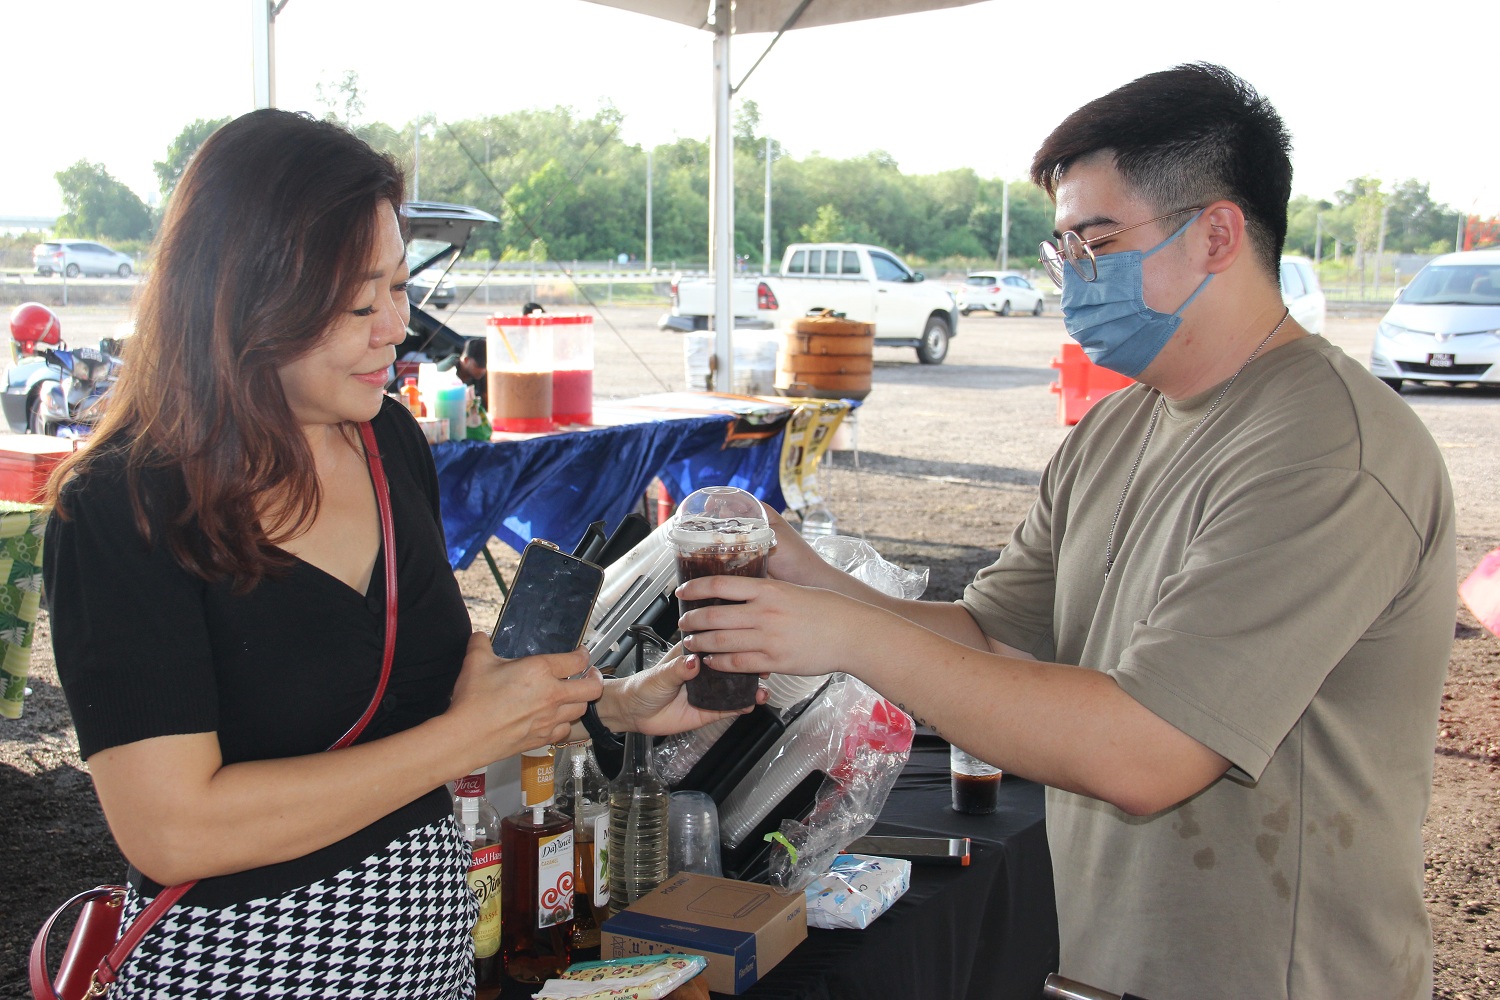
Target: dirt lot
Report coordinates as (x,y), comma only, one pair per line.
(946,464)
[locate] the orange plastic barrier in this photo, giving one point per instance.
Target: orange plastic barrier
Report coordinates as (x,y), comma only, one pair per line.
(1081,383)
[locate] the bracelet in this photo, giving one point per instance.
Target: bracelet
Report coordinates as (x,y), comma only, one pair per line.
(597,729)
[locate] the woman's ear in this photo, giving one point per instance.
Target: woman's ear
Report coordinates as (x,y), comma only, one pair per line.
(1226,235)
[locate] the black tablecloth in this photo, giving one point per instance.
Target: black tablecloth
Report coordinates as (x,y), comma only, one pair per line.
(987,931)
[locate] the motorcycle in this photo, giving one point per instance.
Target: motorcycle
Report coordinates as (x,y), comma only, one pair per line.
(74,404)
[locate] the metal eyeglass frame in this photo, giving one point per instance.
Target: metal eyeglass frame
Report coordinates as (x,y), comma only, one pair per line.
(1078,252)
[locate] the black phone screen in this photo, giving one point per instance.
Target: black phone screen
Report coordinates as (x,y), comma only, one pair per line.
(549,605)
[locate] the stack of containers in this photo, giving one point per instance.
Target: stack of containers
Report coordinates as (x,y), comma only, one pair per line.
(541,372)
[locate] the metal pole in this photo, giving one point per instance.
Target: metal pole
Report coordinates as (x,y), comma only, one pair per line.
(648,211)
(416,161)
(1318,241)
(721,184)
(1380,247)
(765,248)
(262,54)
(1004,261)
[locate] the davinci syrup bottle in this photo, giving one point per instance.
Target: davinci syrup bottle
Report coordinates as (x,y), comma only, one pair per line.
(480,825)
(536,886)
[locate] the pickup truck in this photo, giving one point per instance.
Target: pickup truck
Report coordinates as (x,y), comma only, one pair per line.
(865,283)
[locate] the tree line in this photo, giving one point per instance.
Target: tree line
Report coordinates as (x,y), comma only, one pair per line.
(567,187)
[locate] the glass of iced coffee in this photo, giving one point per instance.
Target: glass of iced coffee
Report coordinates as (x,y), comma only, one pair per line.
(720,531)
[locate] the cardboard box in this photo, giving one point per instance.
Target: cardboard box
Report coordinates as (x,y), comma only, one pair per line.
(743,929)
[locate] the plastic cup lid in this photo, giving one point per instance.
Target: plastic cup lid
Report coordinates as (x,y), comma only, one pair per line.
(720,515)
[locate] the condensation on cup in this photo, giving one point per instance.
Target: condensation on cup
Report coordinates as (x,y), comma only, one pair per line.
(976,785)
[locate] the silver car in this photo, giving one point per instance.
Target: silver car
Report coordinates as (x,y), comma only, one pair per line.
(1445,325)
(75,257)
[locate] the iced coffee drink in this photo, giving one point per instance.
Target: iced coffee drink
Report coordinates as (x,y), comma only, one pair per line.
(721,531)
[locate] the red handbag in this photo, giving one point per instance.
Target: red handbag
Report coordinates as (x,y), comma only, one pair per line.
(96,949)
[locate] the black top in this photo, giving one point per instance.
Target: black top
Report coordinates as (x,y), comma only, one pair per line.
(146,649)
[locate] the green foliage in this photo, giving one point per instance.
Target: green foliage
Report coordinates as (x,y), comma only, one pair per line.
(98,206)
(181,150)
(566,186)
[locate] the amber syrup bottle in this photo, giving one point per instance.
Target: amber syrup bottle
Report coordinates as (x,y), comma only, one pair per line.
(480,825)
(536,885)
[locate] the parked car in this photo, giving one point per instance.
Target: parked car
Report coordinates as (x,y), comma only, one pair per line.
(868,284)
(430,288)
(999,292)
(75,257)
(1445,325)
(437,234)
(1302,294)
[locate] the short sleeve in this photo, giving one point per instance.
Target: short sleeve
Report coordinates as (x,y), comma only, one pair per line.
(1012,599)
(128,629)
(1245,633)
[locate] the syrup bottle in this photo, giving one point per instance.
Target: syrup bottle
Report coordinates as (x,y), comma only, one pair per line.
(480,824)
(536,886)
(413,397)
(583,794)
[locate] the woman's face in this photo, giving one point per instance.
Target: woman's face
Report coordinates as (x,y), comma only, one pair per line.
(343,378)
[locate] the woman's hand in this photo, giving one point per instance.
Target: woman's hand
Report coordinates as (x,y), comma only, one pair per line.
(654,701)
(512,705)
(778,627)
(792,558)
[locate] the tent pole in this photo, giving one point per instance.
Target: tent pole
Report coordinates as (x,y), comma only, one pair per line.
(721,227)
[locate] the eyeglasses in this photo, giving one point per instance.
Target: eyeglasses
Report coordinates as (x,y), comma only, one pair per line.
(1080,254)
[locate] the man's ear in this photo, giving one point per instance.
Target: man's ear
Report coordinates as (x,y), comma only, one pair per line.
(1226,235)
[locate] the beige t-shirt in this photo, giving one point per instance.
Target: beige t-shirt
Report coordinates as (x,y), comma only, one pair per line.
(1283,592)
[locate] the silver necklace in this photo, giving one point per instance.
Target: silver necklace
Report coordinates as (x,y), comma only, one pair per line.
(1109,545)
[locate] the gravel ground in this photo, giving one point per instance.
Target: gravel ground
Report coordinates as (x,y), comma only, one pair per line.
(946,463)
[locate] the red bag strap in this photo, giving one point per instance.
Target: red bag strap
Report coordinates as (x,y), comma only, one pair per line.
(109,967)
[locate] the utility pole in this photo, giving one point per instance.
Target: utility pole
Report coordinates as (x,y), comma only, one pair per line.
(263,50)
(1005,225)
(416,160)
(766,236)
(1318,241)
(648,211)
(1380,247)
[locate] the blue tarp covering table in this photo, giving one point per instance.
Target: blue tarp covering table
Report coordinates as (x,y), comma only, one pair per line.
(553,486)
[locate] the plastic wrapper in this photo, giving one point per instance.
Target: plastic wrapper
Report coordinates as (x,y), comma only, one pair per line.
(676,756)
(644,977)
(856,890)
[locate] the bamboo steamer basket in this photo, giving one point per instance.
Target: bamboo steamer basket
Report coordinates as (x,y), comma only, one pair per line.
(826,357)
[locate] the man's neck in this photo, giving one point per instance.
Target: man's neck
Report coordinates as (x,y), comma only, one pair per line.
(1211,347)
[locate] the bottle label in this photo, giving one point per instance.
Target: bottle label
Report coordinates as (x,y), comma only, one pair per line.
(470,786)
(601,859)
(554,879)
(536,779)
(484,881)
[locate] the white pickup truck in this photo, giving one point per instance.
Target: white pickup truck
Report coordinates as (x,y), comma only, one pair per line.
(865,283)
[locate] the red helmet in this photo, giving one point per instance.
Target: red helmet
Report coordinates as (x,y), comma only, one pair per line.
(32,323)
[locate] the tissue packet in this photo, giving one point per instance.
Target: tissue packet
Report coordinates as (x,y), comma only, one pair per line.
(857,889)
(643,977)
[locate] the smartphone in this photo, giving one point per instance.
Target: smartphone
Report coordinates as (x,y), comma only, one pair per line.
(917,850)
(549,605)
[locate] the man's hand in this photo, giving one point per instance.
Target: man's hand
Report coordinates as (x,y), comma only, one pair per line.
(654,701)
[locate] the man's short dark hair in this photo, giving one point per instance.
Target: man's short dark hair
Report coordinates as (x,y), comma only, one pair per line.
(1190,135)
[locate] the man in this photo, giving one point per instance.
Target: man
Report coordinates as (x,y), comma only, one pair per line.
(1221,632)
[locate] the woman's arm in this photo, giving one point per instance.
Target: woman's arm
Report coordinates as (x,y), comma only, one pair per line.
(179,813)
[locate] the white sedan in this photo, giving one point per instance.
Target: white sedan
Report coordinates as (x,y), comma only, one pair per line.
(999,292)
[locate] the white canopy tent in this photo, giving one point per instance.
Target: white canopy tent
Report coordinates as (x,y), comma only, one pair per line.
(725,18)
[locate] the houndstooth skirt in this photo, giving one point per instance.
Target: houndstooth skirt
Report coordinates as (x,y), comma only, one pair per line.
(396,925)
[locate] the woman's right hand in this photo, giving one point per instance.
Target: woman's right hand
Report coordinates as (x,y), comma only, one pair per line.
(792,558)
(506,706)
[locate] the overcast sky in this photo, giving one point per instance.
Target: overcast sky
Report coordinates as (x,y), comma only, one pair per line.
(1363,92)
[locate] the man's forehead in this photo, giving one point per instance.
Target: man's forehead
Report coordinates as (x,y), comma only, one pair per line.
(1092,192)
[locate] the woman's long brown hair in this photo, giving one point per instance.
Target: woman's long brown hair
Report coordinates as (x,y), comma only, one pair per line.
(265,242)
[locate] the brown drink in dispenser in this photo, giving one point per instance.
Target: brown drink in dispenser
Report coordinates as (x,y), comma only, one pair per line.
(721,531)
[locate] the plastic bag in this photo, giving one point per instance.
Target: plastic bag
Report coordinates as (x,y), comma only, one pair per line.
(857,889)
(676,756)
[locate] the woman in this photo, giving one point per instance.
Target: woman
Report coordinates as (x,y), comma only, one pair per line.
(216,573)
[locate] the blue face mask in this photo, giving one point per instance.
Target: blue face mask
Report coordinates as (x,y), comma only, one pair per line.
(1109,317)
